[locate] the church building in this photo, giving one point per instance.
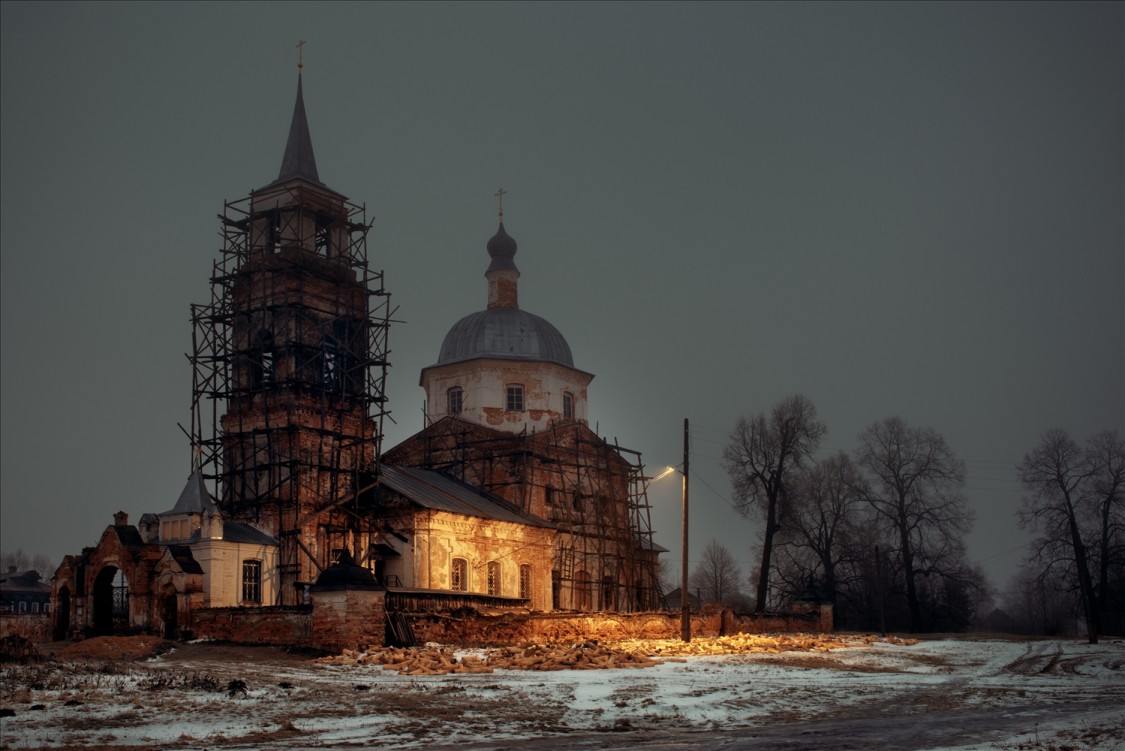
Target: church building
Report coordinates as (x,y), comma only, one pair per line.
(504,499)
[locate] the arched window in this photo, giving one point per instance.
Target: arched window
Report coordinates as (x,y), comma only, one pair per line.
(459,575)
(494,578)
(333,376)
(514,398)
(263,358)
(568,405)
(252,581)
(525,581)
(454,400)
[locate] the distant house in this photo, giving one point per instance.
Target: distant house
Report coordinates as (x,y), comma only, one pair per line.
(675,603)
(24,593)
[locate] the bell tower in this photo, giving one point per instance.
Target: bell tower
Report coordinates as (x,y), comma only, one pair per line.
(289,368)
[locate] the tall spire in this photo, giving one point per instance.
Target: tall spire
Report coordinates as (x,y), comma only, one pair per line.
(299,160)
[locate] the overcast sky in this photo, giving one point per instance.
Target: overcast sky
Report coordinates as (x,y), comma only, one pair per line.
(895,209)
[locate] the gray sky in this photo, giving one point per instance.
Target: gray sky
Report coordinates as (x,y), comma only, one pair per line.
(896,209)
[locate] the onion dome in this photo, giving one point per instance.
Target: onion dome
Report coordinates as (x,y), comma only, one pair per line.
(502,250)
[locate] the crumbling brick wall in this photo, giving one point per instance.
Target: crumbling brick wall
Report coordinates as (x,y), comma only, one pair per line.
(282,626)
(476,629)
(34,628)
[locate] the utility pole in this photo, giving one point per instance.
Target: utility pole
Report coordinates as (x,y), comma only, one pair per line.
(685,607)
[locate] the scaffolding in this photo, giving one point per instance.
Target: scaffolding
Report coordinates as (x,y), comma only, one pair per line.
(289,369)
(592,490)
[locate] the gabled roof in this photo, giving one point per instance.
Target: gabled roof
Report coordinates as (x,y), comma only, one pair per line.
(194,499)
(434,490)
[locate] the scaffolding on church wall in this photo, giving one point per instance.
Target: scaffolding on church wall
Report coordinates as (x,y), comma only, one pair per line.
(289,370)
(594,491)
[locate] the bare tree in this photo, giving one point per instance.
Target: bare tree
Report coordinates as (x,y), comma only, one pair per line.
(824,504)
(759,457)
(716,576)
(24,562)
(1076,495)
(916,486)
(1104,498)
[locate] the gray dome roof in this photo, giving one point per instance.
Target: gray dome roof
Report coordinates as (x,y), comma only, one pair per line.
(508,333)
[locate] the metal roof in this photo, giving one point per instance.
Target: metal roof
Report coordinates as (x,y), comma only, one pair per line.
(506,333)
(299,160)
(194,499)
(239,532)
(435,490)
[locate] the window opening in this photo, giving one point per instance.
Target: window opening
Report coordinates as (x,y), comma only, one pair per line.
(459,575)
(252,581)
(494,578)
(568,406)
(515,399)
(455,398)
(525,581)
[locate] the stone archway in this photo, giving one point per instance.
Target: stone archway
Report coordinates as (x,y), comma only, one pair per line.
(62,614)
(111,602)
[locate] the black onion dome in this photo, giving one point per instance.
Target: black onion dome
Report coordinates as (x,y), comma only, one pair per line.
(505,333)
(502,249)
(345,574)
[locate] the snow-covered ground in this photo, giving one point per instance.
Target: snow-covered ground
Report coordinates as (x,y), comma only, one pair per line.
(940,694)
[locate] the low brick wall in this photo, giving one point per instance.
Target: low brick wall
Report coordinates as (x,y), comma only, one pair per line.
(281,626)
(476,629)
(34,628)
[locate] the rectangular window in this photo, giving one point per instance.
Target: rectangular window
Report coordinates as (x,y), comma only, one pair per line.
(34,607)
(455,401)
(515,399)
(568,406)
(23,607)
(252,581)
(525,581)
(46,607)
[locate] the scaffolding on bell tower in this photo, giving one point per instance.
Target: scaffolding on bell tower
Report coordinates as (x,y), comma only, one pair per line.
(289,363)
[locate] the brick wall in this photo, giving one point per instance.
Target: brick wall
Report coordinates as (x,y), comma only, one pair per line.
(283,626)
(34,628)
(514,628)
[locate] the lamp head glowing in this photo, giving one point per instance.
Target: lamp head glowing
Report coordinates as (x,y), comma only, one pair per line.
(665,473)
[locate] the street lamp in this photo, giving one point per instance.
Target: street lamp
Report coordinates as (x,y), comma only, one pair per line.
(685,606)
(685,609)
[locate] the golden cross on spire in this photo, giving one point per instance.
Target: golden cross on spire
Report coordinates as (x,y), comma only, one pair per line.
(500,198)
(300,54)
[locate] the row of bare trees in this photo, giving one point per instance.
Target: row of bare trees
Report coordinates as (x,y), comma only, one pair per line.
(1076,508)
(879,533)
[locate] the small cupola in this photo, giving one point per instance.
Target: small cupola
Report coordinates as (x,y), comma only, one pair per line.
(502,274)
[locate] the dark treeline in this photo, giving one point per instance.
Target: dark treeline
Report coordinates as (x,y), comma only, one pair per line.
(878,532)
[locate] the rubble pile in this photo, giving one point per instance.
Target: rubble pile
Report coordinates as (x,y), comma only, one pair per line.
(758,644)
(442,661)
(591,655)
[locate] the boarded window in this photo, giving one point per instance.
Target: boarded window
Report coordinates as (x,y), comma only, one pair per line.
(583,595)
